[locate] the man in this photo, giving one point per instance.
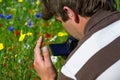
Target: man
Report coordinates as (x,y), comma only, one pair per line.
(96,23)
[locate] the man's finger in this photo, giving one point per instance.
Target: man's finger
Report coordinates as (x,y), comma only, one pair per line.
(37,52)
(39,42)
(46,55)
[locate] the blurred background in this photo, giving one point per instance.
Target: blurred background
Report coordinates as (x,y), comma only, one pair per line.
(20,27)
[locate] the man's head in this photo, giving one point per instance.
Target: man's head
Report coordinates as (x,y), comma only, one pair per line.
(85,8)
(74,14)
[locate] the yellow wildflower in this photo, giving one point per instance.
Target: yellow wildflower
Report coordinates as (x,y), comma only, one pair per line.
(37,2)
(0,0)
(62,34)
(1,46)
(22,36)
(20,0)
(15,55)
(29,34)
(34,12)
(25,23)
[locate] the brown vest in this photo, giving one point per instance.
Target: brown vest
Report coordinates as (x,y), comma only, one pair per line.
(105,57)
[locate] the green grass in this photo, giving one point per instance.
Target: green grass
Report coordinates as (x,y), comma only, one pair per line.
(118,4)
(16,57)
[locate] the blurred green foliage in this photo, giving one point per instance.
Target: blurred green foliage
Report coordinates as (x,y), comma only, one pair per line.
(118,4)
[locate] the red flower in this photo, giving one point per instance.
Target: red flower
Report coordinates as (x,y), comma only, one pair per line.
(4,64)
(17,32)
(0,25)
(48,35)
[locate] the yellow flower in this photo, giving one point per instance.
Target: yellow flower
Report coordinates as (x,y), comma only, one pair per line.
(0,0)
(37,2)
(1,46)
(15,55)
(22,36)
(25,23)
(62,34)
(20,0)
(29,34)
(34,12)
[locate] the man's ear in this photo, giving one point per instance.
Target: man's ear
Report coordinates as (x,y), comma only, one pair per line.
(71,14)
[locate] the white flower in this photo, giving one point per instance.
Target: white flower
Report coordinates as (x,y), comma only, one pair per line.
(20,61)
(27,46)
(53,39)
(54,59)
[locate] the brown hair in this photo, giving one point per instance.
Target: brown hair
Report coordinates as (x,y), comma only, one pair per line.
(84,8)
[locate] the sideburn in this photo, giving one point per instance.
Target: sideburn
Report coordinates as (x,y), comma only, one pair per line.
(76,18)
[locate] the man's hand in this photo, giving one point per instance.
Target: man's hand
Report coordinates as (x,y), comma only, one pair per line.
(42,62)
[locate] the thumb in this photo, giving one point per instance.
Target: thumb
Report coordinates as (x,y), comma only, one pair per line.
(46,55)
